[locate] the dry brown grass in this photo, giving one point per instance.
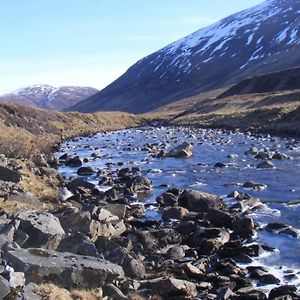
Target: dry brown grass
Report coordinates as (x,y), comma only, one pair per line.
(52,292)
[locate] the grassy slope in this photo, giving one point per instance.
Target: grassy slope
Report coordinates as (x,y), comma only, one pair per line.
(26,132)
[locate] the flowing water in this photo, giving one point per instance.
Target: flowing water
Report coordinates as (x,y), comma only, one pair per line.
(199,173)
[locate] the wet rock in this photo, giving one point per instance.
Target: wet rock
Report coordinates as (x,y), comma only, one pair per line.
(220,165)
(139,183)
(177,213)
(239,196)
(290,232)
(254,185)
(221,218)
(249,293)
(75,161)
(244,227)
(263,155)
(275,226)
(64,269)
(210,239)
(85,171)
(171,287)
(43,228)
(78,183)
(167,199)
(183,150)
(7,174)
(199,201)
(285,290)
(279,156)
(266,165)
(264,277)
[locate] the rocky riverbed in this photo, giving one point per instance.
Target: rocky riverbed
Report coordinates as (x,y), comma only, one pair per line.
(163,213)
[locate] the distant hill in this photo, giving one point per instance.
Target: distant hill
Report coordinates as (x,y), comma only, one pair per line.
(49,97)
(262,39)
(277,81)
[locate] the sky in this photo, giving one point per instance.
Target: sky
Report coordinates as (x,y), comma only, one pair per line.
(93,42)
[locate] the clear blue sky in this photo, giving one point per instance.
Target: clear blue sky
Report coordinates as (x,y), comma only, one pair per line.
(92,42)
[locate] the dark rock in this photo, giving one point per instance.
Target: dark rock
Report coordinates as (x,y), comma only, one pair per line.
(221,218)
(44,229)
(275,226)
(78,243)
(78,183)
(220,165)
(167,199)
(7,174)
(266,165)
(244,227)
(139,183)
(290,232)
(285,290)
(133,268)
(225,294)
(112,292)
(64,269)
(75,161)
(177,213)
(85,171)
(175,253)
(199,201)
(279,156)
(253,185)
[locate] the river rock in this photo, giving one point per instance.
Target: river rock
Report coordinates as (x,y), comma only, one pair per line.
(139,183)
(85,171)
(183,150)
(75,161)
(199,201)
(78,183)
(177,213)
(285,290)
(266,165)
(7,174)
(78,243)
(171,287)
(63,269)
(43,228)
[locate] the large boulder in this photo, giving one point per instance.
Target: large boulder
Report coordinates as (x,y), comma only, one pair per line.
(78,183)
(43,229)
(199,201)
(63,269)
(7,174)
(183,150)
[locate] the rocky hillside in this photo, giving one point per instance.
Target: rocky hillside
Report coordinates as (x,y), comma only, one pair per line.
(49,97)
(262,39)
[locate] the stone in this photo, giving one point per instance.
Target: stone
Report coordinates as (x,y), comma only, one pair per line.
(275,226)
(78,243)
(167,199)
(279,156)
(254,185)
(262,155)
(43,228)
(4,287)
(225,294)
(176,253)
(293,232)
(284,290)
(133,268)
(85,171)
(183,150)
(77,183)
(221,218)
(139,183)
(7,174)
(177,213)
(171,287)
(266,165)
(29,292)
(199,201)
(75,161)
(244,227)
(63,269)
(7,232)
(192,270)
(112,292)
(220,165)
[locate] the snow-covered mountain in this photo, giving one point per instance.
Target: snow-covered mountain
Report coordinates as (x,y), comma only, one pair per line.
(261,39)
(49,97)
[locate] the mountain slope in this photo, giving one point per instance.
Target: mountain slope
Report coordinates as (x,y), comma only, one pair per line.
(49,97)
(255,41)
(277,81)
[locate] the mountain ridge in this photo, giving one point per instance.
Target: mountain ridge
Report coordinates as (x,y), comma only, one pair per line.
(258,40)
(49,97)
